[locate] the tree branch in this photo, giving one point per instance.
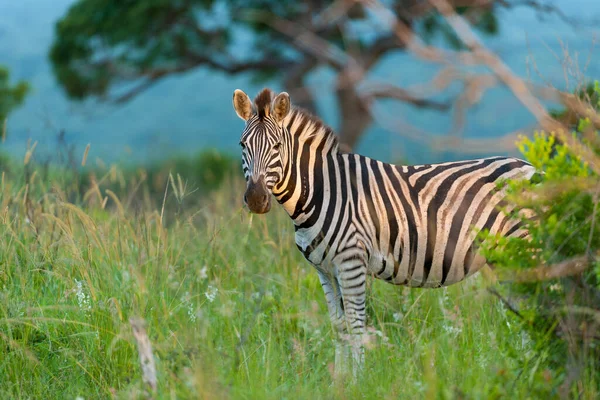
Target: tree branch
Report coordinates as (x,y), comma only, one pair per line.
(380,47)
(232,67)
(394,92)
(309,43)
(506,303)
(515,84)
(293,82)
(573,266)
(542,8)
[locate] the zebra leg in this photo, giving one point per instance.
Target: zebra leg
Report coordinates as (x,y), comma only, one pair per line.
(351,275)
(333,296)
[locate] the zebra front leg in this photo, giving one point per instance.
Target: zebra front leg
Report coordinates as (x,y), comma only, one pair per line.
(333,296)
(351,276)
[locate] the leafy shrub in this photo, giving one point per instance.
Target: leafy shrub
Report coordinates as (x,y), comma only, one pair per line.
(555,274)
(11,97)
(207,171)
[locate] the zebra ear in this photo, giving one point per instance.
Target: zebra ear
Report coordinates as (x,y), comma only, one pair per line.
(281,106)
(242,104)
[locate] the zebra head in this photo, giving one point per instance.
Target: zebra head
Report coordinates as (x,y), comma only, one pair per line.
(263,145)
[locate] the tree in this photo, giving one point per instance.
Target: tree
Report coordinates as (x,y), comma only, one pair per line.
(103,46)
(11,97)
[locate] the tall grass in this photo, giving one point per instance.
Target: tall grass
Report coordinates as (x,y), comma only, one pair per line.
(232,310)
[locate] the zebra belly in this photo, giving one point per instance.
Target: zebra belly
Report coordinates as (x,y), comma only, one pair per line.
(397,271)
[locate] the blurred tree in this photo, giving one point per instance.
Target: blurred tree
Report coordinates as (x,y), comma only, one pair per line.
(10,96)
(103,46)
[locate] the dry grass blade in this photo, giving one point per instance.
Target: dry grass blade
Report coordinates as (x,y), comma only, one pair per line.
(569,267)
(29,153)
(145,352)
(85,155)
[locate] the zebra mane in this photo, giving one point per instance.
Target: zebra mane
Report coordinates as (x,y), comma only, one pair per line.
(262,102)
(313,128)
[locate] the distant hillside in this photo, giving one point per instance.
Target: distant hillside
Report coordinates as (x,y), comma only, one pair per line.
(183,114)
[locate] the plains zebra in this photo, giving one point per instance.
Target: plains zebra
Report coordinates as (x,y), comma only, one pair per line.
(355,216)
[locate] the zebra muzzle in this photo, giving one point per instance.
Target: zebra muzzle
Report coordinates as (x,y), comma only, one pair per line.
(257,197)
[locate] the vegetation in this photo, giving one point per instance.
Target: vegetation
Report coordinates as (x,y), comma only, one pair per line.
(114,50)
(231,308)
(556,274)
(11,96)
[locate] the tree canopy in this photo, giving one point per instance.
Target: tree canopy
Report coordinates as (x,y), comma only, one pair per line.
(113,49)
(11,96)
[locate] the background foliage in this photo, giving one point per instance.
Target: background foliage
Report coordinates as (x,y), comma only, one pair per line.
(11,96)
(114,50)
(556,274)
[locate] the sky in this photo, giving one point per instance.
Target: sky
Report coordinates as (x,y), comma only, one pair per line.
(191,112)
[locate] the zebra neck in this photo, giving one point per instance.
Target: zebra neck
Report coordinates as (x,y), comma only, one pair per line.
(311,164)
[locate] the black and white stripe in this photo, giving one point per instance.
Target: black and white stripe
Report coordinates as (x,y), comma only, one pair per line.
(355,216)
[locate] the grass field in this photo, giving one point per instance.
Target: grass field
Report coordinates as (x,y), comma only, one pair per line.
(232,310)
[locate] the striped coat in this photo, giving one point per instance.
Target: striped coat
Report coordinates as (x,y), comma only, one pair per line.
(355,216)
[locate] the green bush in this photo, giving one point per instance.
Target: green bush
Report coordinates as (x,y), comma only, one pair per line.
(206,171)
(10,96)
(555,274)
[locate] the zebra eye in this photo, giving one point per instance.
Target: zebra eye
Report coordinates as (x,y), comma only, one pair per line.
(277,145)
(242,145)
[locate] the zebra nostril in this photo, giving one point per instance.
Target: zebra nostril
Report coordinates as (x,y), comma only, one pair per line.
(245,199)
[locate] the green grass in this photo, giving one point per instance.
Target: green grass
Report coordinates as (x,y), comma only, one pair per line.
(232,311)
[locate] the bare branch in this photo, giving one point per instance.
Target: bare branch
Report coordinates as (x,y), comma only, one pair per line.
(540,7)
(506,303)
(380,47)
(308,42)
(563,269)
(230,67)
(293,82)
(376,91)
(515,84)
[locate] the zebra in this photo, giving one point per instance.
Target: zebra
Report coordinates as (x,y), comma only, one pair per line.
(355,216)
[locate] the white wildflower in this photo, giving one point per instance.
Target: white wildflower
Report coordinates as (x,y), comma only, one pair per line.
(191,312)
(211,293)
(370,340)
(555,287)
(203,274)
(83,299)
(453,330)
(397,316)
